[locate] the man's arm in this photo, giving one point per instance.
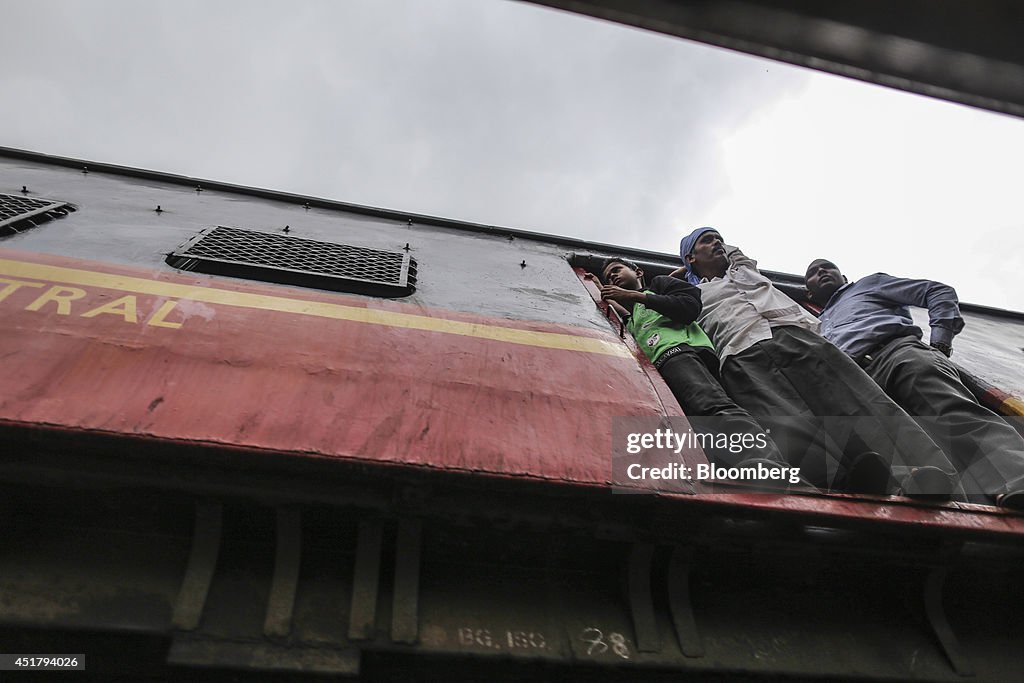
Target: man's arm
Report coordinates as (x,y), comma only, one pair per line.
(737,258)
(674,298)
(940,299)
(622,299)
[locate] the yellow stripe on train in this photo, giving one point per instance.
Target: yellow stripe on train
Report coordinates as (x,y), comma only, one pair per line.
(212,295)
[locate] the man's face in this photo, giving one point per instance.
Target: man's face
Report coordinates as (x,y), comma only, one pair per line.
(621,275)
(708,257)
(822,280)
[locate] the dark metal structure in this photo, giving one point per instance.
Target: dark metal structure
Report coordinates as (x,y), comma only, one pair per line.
(966,52)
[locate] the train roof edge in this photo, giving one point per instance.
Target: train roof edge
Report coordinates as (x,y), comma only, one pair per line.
(640,255)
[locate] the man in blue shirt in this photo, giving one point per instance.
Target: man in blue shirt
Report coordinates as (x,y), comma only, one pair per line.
(869,321)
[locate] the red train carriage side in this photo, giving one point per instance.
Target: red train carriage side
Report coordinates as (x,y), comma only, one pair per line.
(211,462)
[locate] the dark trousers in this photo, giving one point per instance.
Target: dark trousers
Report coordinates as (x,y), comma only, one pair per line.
(987,451)
(822,409)
(692,376)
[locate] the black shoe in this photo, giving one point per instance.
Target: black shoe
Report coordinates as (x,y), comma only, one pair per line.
(1012,500)
(869,473)
(929,483)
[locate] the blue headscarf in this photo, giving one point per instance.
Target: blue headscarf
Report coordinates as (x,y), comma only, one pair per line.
(686,247)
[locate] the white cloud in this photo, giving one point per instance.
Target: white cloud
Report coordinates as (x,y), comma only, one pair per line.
(879,180)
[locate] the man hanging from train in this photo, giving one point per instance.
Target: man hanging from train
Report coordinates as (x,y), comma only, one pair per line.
(661,317)
(825,414)
(870,322)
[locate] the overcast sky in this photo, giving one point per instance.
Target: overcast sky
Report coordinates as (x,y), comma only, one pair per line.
(509,114)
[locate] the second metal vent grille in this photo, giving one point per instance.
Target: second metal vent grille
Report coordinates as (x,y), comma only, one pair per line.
(296,261)
(18,214)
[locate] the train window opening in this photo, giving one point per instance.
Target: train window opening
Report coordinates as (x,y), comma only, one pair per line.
(283,259)
(18,214)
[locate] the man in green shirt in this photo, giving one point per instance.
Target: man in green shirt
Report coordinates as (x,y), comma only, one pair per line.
(662,318)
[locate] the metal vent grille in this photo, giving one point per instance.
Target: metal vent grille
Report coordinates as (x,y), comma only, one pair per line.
(296,261)
(18,214)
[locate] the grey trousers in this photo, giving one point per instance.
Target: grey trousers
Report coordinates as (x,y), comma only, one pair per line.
(822,410)
(987,451)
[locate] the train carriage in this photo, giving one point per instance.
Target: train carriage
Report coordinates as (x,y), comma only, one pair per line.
(253,431)
(246,433)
